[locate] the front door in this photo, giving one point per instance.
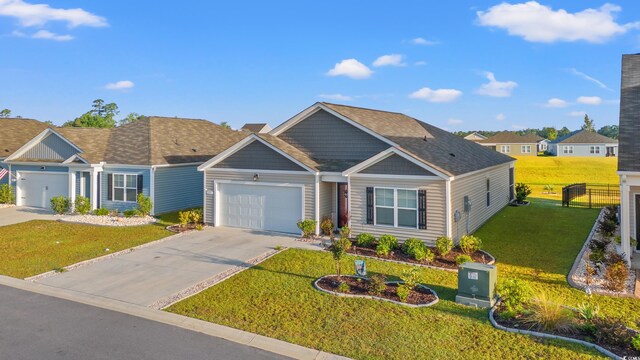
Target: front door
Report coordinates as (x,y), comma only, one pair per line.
(343,205)
(637,208)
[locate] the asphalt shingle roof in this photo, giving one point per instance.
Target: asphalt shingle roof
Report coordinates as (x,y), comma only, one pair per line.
(508,137)
(584,137)
(15,132)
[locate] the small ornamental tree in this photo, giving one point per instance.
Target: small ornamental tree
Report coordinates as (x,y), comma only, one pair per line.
(338,250)
(144,205)
(522,192)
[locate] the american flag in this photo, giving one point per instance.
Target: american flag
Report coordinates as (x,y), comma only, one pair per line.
(3,173)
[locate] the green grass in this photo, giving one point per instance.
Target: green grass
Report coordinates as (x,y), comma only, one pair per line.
(276,298)
(39,246)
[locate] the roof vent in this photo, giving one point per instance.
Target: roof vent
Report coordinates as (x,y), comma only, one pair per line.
(194,149)
(452,154)
(425,138)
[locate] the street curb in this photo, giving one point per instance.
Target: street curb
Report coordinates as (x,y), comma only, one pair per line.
(238,336)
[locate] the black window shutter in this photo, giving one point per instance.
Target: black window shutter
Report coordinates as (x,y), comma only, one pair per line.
(422,209)
(110,187)
(139,184)
(370,205)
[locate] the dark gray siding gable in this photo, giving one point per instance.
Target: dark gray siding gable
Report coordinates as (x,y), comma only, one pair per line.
(258,156)
(629,151)
(326,137)
(51,147)
(178,188)
(396,165)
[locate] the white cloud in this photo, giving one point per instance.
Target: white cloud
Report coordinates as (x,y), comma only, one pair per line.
(496,88)
(420,63)
(539,23)
(436,96)
(590,100)
(336,97)
(389,60)
(423,41)
(501,117)
(453,121)
(40,14)
(351,68)
(555,103)
(48,35)
(577,113)
(120,85)
(589,78)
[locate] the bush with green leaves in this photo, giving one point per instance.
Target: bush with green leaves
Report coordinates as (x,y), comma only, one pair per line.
(195,216)
(415,248)
(607,227)
(515,294)
(365,240)
(383,249)
(377,284)
(184,217)
(599,243)
(469,244)
(597,256)
(327,226)
(444,244)
(144,205)
(635,342)
(307,227)
(6,194)
(390,240)
(101,211)
(411,277)
(344,287)
(612,331)
(60,204)
(588,311)
(611,213)
(83,205)
(339,250)
(403,292)
(345,232)
(461,259)
(131,213)
(522,192)
(615,276)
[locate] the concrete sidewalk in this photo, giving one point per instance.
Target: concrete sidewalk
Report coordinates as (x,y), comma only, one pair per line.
(19,214)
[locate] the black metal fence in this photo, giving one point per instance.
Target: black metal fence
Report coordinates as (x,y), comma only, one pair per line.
(590,195)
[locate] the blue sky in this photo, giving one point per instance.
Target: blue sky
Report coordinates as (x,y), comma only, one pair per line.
(458,65)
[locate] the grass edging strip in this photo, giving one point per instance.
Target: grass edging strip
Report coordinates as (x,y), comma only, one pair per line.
(315,285)
(100,258)
(495,324)
(207,283)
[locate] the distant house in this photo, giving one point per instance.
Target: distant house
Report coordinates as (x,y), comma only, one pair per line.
(584,143)
(510,143)
(258,128)
(14,133)
(543,145)
(475,136)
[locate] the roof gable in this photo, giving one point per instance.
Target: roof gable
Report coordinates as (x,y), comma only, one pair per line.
(584,137)
(17,132)
(257,155)
(396,165)
(51,147)
(508,137)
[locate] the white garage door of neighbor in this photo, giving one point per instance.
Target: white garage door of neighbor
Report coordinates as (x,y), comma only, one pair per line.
(37,188)
(260,207)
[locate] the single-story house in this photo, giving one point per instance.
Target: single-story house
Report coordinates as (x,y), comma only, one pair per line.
(543,145)
(629,158)
(584,143)
(475,136)
(258,128)
(155,156)
(15,132)
(376,171)
(510,143)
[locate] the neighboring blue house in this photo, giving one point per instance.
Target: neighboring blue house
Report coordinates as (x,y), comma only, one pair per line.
(584,143)
(155,156)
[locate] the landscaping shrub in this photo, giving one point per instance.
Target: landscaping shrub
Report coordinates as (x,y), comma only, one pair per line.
(345,243)
(444,244)
(588,311)
(383,249)
(377,284)
(184,217)
(345,232)
(403,292)
(390,240)
(6,194)
(427,255)
(131,213)
(410,277)
(308,227)
(599,244)
(607,227)
(365,240)
(144,205)
(461,259)
(615,276)
(195,216)
(611,213)
(101,211)
(343,287)
(597,256)
(522,192)
(515,294)
(469,244)
(60,204)
(548,315)
(83,206)
(613,258)
(635,342)
(327,226)
(612,331)
(415,248)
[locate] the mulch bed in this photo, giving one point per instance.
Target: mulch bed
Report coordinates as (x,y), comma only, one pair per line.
(579,334)
(447,262)
(178,228)
(358,286)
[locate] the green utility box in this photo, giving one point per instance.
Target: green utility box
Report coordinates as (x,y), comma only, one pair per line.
(477,284)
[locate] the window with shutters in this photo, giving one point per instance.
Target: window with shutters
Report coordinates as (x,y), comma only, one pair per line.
(125,187)
(396,207)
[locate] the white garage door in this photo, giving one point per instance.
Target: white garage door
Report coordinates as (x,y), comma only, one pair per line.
(260,207)
(37,188)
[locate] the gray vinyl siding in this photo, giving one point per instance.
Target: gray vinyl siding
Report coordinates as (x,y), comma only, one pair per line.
(326,203)
(121,205)
(475,187)
(258,156)
(177,188)
(396,165)
(51,147)
(583,149)
(326,137)
(629,114)
(87,184)
(306,179)
(436,208)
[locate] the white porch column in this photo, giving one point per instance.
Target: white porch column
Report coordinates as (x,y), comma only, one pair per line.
(448,208)
(72,188)
(93,188)
(625,219)
(317,205)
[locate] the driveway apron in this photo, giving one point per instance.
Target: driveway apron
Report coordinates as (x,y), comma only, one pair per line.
(19,214)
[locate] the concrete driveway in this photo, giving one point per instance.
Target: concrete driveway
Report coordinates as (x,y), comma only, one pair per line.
(19,214)
(147,275)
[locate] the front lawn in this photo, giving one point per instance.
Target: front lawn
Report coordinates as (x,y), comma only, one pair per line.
(35,247)
(276,298)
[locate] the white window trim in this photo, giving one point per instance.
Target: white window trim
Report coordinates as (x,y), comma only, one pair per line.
(594,149)
(395,208)
(124,189)
(525,149)
(567,149)
(505,149)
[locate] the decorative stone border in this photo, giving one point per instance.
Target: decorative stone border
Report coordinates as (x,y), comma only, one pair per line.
(205,284)
(100,258)
(315,285)
(4,206)
(548,336)
(109,221)
(491,262)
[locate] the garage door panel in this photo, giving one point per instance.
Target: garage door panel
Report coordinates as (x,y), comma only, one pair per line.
(37,188)
(260,207)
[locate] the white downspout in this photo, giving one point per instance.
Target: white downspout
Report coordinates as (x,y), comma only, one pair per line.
(625,230)
(317,204)
(449,207)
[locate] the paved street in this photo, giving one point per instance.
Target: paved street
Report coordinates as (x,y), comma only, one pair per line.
(36,326)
